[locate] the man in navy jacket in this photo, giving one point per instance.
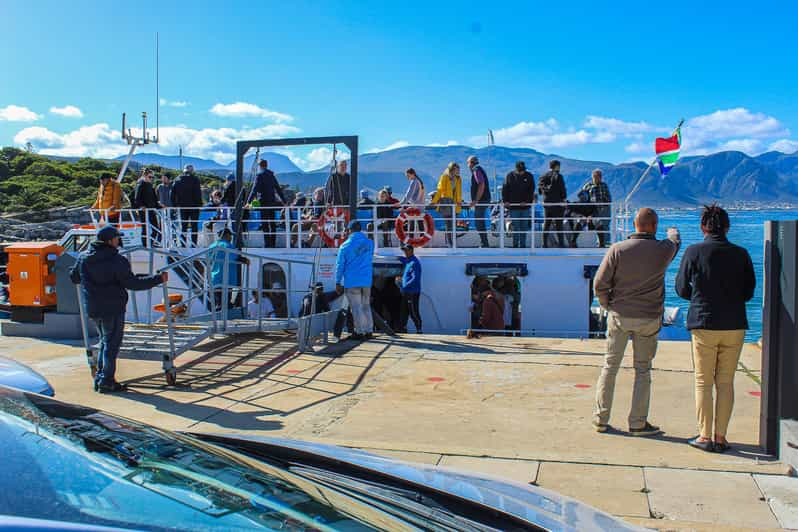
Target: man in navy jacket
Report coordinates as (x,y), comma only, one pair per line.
(105,277)
(268,191)
(411,289)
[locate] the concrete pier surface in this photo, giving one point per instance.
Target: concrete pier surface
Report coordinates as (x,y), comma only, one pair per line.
(517,408)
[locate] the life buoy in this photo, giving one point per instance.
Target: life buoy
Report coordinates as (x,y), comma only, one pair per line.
(332,226)
(413,214)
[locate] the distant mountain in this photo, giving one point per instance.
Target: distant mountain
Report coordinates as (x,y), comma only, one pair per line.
(277,162)
(727,177)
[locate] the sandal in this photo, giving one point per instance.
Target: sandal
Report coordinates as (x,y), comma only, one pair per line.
(706,445)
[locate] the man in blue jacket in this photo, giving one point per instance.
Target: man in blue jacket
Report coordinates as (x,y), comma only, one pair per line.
(353,277)
(410,286)
(225,240)
(105,277)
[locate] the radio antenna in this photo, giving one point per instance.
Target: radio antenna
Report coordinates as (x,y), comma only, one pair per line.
(127,134)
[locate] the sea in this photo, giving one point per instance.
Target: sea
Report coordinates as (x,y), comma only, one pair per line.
(747,230)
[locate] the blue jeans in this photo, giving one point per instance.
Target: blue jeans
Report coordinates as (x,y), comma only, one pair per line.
(520,224)
(111,329)
(481,217)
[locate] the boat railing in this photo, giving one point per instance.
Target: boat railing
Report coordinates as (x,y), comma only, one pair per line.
(494,225)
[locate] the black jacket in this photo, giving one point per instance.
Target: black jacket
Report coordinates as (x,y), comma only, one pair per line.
(144,196)
(519,188)
(265,189)
(551,188)
(186,191)
(718,278)
(336,191)
(322,303)
(105,277)
(229,194)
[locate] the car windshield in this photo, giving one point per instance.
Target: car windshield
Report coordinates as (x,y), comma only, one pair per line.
(83,466)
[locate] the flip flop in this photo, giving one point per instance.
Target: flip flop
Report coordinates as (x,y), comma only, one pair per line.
(707,445)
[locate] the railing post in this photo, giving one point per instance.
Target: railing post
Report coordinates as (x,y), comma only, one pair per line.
(260,294)
(168,362)
(288,291)
(287,222)
(225,294)
(149,292)
(84,327)
(211,292)
(532,230)
(502,225)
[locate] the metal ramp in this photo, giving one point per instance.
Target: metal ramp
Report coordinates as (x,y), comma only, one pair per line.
(178,331)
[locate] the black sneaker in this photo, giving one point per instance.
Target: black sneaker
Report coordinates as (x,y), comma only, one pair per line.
(113,388)
(355,336)
(646,430)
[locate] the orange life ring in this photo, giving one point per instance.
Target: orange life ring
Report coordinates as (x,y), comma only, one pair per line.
(414,214)
(336,218)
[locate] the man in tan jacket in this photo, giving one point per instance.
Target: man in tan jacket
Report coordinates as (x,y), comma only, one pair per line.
(109,198)
(630,285)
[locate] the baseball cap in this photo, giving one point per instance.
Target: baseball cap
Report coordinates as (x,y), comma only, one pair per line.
(107,233)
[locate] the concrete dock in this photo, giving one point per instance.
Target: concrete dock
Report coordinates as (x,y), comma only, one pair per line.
(517,408)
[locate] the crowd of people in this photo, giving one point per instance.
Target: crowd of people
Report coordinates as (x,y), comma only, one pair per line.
(271,209)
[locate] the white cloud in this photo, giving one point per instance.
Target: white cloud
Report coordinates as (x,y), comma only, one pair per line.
(731,129)
(544,135)
(169,103)
(394,146)
(68,111)
(616,126)
(15,113)
(448,143)
(784,146)
(638,147)
(248,110)
(99,140)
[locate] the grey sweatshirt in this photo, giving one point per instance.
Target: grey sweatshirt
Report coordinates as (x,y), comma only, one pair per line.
(631,278)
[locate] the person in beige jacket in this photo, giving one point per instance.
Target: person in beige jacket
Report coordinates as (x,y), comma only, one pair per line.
(630,285)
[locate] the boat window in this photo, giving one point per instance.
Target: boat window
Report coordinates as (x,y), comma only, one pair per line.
(518,270)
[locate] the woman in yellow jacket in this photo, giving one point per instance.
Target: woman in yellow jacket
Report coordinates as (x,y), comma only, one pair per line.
(109,198)
(449,198)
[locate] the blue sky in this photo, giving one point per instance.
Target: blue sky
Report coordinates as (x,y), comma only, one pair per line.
(589,80)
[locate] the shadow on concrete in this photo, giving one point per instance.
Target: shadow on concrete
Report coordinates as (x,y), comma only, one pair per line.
(244,373)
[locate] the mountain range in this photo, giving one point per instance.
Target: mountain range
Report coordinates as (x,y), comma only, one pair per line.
(729,177)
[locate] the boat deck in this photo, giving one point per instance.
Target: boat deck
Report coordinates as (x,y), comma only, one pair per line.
(517,408)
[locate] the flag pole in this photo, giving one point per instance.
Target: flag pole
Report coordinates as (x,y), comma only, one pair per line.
(642,177)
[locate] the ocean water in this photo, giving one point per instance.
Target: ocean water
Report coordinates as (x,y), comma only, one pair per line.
(747,230)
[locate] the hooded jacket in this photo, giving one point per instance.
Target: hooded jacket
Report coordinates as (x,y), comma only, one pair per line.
(411,275)
(353,267)
(105,277)
(109,196)
(519,187)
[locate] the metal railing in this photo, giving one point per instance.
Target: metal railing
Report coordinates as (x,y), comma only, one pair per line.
(494,225)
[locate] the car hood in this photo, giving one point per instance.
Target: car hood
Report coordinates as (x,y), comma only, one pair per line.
(17,375)
(530,503)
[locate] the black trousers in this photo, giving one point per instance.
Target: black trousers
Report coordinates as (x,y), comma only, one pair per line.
(410,308)
(553,222)
(146,215)
(269,228)
(189,219)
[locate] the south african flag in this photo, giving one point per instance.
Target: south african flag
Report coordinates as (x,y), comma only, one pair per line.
(668,151)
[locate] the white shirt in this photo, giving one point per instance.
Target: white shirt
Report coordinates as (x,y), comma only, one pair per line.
(266,308)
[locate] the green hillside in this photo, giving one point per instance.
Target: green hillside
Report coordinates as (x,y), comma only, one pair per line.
(34,182)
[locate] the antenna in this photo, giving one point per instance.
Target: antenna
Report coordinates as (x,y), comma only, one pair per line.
(127,133)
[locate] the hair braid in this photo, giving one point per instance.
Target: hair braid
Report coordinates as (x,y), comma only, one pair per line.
(715,219)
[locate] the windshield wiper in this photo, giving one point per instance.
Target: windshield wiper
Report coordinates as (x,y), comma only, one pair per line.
(413,506)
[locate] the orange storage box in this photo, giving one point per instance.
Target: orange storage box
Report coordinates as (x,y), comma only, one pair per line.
(31,273)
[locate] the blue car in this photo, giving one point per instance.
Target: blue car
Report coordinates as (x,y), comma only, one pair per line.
(17,375)
(68,466)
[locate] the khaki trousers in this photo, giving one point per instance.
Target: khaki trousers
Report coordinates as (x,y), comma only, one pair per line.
(715,357)
(643,332)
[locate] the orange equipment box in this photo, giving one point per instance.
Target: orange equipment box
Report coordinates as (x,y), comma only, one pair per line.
(31,273)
